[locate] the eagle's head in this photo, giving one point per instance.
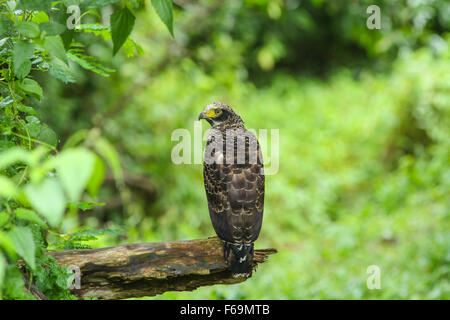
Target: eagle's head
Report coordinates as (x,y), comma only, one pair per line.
(220,114)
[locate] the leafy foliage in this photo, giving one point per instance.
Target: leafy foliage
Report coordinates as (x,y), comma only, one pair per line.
(77,240)
(39,184)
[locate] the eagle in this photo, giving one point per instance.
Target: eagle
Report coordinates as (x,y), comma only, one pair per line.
(233,174)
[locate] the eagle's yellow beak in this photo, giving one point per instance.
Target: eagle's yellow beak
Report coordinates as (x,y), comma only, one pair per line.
(210,114)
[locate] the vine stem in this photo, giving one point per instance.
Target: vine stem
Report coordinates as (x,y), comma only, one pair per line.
(36,141)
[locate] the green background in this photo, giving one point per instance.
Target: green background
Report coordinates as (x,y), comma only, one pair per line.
(363,117)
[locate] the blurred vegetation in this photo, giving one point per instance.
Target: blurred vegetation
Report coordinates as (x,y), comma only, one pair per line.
(364,120)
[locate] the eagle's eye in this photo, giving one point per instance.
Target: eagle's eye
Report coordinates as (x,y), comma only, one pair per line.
(212,113)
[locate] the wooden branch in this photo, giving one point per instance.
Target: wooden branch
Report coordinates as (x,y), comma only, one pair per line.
(148,269)
(31,288)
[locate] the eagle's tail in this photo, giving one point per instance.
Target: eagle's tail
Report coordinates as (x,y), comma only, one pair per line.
(240,259)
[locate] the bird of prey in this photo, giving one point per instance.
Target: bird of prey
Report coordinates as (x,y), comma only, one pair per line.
(234,183)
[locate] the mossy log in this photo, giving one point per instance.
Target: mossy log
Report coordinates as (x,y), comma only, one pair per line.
(148,269)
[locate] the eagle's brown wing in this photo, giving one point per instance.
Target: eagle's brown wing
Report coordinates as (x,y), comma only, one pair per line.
(235,192)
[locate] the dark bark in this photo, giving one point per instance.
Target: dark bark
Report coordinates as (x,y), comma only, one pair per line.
(31,288)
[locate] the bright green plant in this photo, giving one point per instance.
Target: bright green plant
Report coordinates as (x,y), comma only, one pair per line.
(40,181)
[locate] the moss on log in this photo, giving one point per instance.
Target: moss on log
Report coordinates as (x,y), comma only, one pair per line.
(148,269)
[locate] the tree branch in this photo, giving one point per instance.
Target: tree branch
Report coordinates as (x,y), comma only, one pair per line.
(31,288)
(148,269)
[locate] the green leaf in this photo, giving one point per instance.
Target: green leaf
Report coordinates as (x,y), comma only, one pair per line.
(6,101)
(4,217)
(12,156)
(67,38)
(130,47)
(7,188)
(90,63)
(23,69)
(31,87)
(30,215)
(47,198)
(38,5)
(97,176)
(122,22)
(26,109)
(164,9)
(22,238)
(61,72)
(48,136)
(52,28)
(75,168)
(33,126)
(22,53)
(55,46)
(40,17)
(5,25)
(28,28)
(7,244)
(97,29)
